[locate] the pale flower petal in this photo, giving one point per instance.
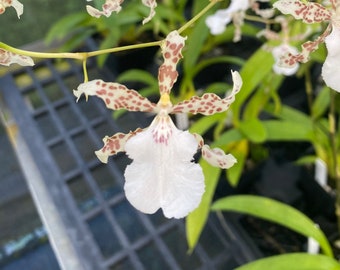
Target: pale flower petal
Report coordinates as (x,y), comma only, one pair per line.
(217,22)
(108,7)
(7,58)
(19,8)
(152,4)
(116,96)
(278,53)
(162,174)
(330,68)
(217,158)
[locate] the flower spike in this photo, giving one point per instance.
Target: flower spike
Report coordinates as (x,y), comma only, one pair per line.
(209,103)
(19,8)
(7,58)
(172,53)
(116,96)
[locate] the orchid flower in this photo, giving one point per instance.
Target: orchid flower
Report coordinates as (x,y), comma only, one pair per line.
(278,52)
(311,12)
(162,174)
(284,48)
(235,12)
(115,6)
(19,8)
(7,58)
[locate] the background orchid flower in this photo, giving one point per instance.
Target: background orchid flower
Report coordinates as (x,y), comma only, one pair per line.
(310,12)
(235,12)
(7,58)
(115,6)
(162,174)
(278,52)
(19,8)
(217,22)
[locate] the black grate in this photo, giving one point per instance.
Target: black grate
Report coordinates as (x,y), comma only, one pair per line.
(62,136)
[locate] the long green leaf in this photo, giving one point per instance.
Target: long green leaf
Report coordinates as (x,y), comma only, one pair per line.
(196,220)
(277,212)
(257,67)
(296,261)
(277,130)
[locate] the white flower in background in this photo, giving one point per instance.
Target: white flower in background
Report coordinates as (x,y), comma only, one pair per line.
(115,6)
(310,12)
(19,8)
(217,22)
(235,13)
(278,52)
(7,58)
(162,174)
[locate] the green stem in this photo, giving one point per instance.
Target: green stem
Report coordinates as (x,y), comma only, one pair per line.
(334,165)
(197,16)
(84,55)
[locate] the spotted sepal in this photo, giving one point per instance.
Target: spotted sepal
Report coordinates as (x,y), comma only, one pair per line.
(116,96)
(308,12)
(172,53)
(209,103)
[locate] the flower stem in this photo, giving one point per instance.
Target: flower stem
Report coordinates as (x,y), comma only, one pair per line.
(197,16)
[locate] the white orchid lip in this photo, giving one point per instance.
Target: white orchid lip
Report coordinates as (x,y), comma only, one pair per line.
(162,174)
(330,69)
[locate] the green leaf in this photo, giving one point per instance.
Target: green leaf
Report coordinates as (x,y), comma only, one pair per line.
(232,135)
(240,152)
(277,212)
(194,45)
(254,130)
(110,41)
(277,130)
(196,220)
(202,125)
(290,114)
(138,75)
(65,26)
(257,67)
(295,261)
(321,103)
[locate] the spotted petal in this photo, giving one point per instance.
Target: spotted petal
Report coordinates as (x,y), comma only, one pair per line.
(162,174)
(152,4)
(209,103)
(116,96)
(216,156)
(19,8)
(172,53)
(7,58)
(308,12)
(108,7)
(115,144)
